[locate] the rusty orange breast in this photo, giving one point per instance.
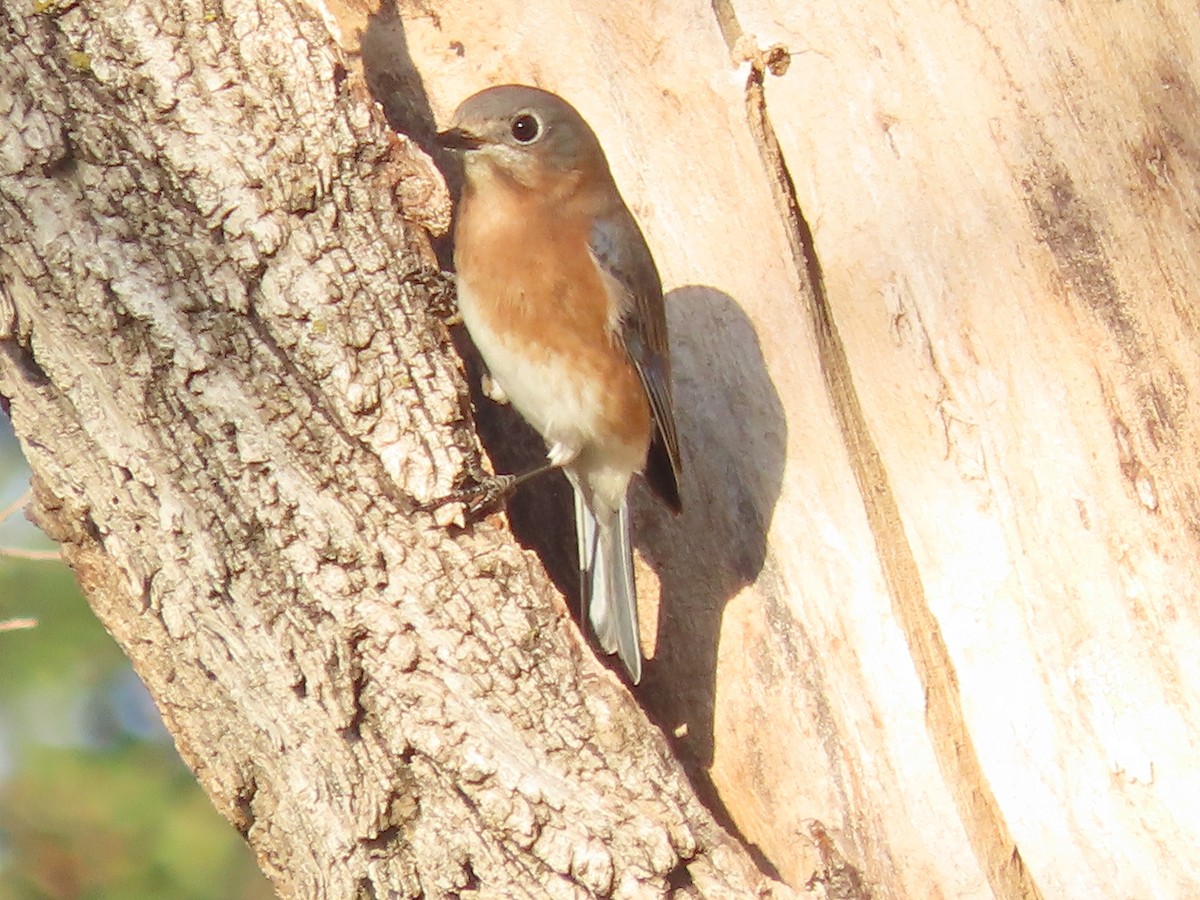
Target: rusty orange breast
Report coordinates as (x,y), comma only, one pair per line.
(534,281)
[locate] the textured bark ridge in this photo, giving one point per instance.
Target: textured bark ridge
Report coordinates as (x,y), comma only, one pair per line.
(222,356)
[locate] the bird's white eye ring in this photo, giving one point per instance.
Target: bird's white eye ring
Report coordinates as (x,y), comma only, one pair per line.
(525,128)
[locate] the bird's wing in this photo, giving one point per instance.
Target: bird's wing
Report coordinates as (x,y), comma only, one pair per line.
(617,246)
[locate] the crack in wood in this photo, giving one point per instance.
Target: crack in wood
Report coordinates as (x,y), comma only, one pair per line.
(950,738)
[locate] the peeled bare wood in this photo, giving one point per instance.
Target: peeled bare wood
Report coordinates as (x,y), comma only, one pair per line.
(932,274)
(221,354)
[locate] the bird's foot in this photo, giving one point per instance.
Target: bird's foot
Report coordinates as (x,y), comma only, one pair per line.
(480,499)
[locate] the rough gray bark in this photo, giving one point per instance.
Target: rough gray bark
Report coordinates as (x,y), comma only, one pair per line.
(221,353)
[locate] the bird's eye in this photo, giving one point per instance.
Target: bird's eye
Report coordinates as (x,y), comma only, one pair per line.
(525,128)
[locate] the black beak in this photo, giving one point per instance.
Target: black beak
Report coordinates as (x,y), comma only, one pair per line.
(457,139)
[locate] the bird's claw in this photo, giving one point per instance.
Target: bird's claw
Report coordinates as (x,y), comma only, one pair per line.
(480,499)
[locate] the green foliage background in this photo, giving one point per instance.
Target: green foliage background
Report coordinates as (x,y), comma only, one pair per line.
(94,802)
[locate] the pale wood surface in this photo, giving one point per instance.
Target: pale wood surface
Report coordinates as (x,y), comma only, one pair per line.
(969,633)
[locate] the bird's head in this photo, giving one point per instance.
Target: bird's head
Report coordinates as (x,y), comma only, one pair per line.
(529,135)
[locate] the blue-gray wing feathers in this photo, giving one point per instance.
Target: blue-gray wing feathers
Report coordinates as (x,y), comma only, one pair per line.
(617,245)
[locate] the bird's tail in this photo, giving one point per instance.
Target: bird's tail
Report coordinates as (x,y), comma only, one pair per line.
(606,580)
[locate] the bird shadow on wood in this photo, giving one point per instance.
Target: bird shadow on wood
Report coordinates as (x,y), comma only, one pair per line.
(396,85)
(734,436)
(393,79)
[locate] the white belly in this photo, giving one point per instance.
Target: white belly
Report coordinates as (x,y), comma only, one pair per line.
(561,407)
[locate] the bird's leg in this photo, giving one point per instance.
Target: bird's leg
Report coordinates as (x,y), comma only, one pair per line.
(489,490)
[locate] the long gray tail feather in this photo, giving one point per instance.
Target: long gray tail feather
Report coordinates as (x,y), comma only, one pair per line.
(606,582)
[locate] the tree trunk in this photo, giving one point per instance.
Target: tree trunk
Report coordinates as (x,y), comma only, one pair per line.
(221,355)
(926,626)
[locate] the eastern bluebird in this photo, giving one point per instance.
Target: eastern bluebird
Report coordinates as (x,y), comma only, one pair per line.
(560,294)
